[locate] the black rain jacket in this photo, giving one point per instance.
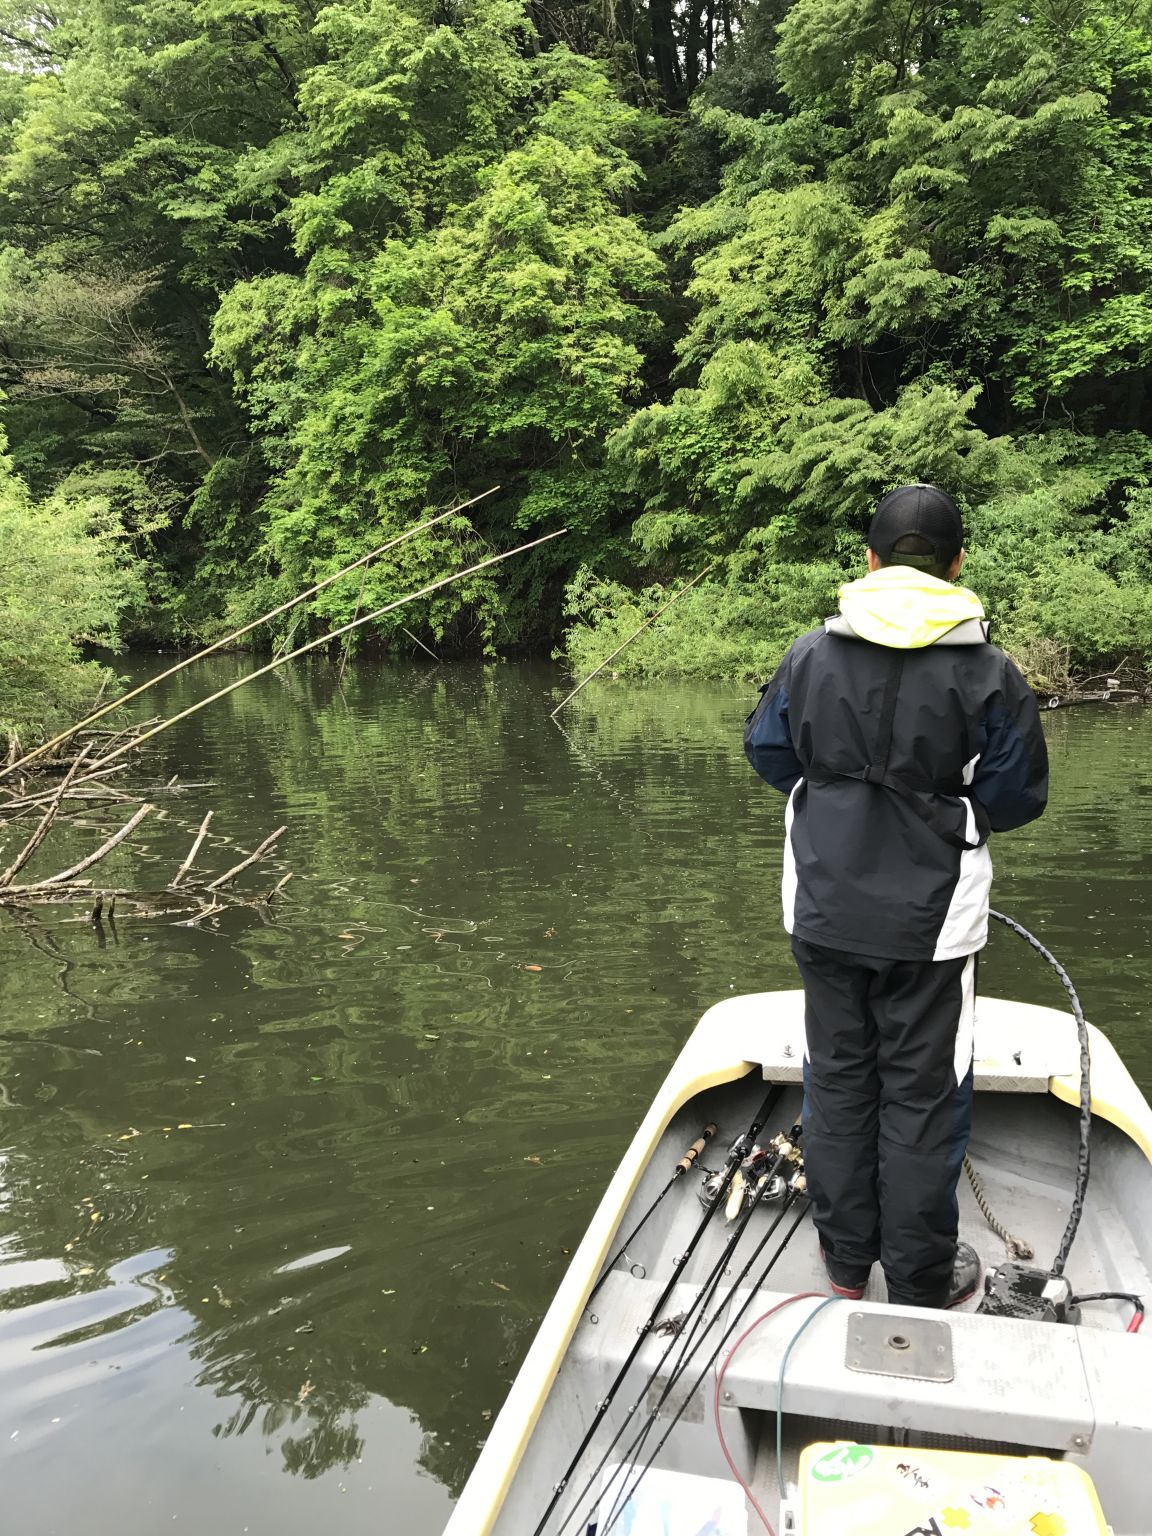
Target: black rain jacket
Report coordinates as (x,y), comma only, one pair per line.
(897,764)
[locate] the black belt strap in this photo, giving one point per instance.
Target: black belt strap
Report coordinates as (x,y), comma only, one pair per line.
(929,811)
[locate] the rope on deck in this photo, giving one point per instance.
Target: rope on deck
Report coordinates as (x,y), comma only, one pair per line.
(1017,1248)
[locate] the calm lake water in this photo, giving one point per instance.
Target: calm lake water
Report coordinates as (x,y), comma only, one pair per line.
(281,1203)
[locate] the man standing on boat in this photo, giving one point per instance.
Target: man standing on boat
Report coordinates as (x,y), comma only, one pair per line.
(902,739)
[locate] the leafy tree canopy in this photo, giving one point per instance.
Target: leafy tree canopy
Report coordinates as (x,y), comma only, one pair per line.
(699,279)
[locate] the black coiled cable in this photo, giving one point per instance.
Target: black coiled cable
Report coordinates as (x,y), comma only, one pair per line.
(1082,1160)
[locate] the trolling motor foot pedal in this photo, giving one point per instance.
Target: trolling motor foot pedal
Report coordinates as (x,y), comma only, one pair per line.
(1024,1291)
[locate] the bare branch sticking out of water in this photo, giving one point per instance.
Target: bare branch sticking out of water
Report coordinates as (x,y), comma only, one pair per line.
(229,875)
(66,792)
(186,906)
(193,851)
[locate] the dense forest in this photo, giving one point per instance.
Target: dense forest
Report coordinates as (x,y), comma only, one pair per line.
(699,279)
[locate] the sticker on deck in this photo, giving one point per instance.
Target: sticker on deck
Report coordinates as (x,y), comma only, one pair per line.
(661,1503)
(844,1461)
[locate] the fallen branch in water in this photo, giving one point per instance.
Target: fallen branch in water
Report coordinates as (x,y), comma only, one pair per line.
(85,777)
(1071,700)
(68,876)
(42,829)
(66,791)
(192,903)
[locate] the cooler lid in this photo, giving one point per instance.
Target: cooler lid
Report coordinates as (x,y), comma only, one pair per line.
(874,1490)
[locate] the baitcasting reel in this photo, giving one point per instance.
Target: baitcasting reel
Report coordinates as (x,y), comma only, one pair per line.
(766,1174)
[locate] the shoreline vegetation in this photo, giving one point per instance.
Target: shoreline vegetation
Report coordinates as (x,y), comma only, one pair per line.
(698,279)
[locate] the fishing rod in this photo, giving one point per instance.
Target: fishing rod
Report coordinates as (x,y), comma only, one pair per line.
(237,634)
(767,1185)
(735,1157)
(691,1343)
(691,1340)
(279,661)
(647,624)
(682,1167)
(693,1314)
(711,1361)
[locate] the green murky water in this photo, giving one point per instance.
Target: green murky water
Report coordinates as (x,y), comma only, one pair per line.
(281,1203)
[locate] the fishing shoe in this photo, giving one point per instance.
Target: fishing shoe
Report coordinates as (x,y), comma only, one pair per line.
(966,1272)
(847,1280)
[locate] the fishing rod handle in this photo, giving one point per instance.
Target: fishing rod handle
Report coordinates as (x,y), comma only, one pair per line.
(696,1148)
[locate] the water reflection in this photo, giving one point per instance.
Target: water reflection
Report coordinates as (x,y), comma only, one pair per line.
(292,1196)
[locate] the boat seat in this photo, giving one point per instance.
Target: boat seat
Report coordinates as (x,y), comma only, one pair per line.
(1019,1046)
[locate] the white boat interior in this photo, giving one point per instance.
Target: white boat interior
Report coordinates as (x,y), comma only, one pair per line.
(1080,1394)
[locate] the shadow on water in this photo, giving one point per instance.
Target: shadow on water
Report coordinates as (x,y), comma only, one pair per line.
(291,1197)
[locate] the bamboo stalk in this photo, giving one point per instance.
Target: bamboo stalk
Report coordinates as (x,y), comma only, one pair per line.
(237,634)
(302,650)
(421,644)
(646,625)
(274,837)
(114,841)
(193,851)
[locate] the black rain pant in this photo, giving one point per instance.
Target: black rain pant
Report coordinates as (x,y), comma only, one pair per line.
(888,1111)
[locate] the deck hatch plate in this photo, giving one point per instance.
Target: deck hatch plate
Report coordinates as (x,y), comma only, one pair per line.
(891,1344)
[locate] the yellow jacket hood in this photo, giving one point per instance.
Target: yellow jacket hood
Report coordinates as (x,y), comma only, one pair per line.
(902,607)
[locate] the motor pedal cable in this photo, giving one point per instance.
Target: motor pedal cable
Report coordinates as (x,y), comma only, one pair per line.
(1083,1158)
(1135,1322)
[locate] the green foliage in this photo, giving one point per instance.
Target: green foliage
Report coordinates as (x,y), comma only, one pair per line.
(497,346)
(67,576)
(929,262)
(300,272)
(723,629)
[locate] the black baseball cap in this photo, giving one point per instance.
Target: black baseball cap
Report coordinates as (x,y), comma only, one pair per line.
(924,511)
